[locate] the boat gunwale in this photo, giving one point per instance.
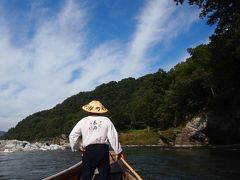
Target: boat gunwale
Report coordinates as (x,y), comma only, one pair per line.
(64,171)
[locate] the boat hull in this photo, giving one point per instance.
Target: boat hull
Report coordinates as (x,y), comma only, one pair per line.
(118,172)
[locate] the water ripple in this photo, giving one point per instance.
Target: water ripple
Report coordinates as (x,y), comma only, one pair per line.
(151,162)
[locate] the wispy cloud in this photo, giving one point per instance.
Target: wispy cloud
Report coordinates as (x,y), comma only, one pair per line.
(149,31)
(34,75)
(54,63)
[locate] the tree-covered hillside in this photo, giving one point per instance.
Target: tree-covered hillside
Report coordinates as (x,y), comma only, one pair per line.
(208,81)
(2,133)
(159,100)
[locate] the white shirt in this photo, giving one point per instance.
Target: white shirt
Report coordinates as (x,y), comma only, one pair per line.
(95,130)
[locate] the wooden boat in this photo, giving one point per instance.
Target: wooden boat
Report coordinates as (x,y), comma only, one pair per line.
(120,170)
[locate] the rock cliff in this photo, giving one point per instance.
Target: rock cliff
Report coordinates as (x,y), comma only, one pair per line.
(193,134)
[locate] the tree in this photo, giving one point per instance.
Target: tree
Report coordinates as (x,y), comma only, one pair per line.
(189,91)
(224,66)
(224,13)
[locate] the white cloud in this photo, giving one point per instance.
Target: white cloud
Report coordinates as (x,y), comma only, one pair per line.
(39,74)
(159,22)
(34,76)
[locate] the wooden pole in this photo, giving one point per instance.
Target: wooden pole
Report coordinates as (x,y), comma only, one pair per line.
(131,169)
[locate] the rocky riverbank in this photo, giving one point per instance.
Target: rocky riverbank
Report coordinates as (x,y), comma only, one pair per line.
(191,135)
(8,146)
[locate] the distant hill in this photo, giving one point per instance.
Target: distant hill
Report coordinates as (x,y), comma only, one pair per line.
(124,99)
(132,104)
(2,133)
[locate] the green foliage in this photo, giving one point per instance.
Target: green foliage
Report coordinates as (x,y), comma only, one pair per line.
(189,90)
(223,66)
(224,13)
(170,134)
(139,137)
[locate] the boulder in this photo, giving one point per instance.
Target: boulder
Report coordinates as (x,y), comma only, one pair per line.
(56,147)
(15,146)
(193,133)
(161,143)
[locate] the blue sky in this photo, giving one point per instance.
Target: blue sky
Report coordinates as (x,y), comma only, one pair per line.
(51,50)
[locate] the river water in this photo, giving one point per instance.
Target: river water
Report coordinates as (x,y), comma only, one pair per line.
(149,162)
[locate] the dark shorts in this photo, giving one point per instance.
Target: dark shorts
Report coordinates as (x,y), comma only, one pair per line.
(96,156)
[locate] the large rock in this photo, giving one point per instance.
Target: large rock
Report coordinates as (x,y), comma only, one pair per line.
(161,143)
(15,146)
(193,133)
(12,145)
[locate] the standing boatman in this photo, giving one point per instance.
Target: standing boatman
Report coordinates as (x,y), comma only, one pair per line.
(97,132)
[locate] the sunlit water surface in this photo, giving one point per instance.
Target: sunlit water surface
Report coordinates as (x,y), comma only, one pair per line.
(149,162)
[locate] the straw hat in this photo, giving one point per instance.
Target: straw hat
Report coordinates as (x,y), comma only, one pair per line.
(95,107)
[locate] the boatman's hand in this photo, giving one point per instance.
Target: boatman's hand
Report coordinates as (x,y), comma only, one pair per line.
(121,155)
(81,150)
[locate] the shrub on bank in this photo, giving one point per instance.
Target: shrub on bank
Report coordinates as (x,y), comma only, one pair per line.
(139,137)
